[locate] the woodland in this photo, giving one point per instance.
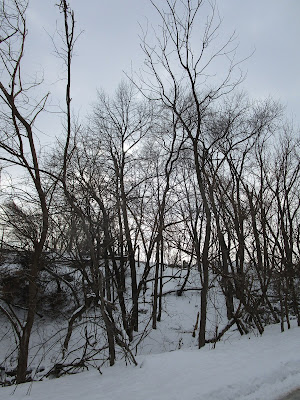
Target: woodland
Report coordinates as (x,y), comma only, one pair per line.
(179,173)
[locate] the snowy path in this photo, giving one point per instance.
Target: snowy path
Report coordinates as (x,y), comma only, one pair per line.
(248,368)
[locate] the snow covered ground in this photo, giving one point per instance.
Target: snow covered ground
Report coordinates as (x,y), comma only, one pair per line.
(170,367)
(240,368)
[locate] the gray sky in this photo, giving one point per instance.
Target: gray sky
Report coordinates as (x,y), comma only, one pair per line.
(110,41)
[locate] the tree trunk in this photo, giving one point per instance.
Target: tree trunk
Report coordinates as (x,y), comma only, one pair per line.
(26,331)
(155,290)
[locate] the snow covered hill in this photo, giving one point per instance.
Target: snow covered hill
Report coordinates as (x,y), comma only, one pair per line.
(240,368)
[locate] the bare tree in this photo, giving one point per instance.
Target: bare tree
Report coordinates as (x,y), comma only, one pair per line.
(19,148)
(121,123)
(178,74)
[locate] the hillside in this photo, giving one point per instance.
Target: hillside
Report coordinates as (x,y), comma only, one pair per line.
(169,364)
(247,368)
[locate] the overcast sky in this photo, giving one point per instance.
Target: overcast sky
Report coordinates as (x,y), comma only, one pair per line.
(110,45)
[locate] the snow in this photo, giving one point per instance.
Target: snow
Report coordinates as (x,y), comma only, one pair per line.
(241,368)
(170,367)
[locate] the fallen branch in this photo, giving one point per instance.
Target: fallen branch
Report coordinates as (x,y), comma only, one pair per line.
(234,320)
(179,291)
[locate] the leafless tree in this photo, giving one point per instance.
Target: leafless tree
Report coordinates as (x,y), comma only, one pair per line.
(178,74)
(19,146)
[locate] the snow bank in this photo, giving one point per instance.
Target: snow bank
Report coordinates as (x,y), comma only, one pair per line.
(246,368)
